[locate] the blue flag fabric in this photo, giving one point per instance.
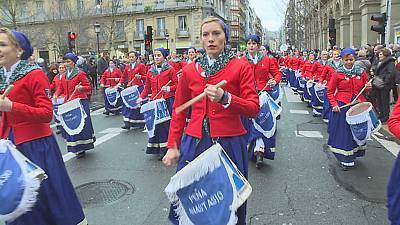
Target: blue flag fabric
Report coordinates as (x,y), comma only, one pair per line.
(149,114)
(359,119)
(320,93)
(209,190)
(19,182)
(130,96)
(112,95)
(265,122)
(72,116)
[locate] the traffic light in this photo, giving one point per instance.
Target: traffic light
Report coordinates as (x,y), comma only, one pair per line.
(71,40)
(332,36)
(147,42)
(381,19)
(150,33)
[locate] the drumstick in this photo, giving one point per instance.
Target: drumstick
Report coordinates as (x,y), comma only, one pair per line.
(130,82)
(74,91)
(161,90)
(263,89)
(355,99)
(196,99)
(7,91)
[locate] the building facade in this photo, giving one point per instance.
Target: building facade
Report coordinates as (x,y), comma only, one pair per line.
(351,19)
(123,23)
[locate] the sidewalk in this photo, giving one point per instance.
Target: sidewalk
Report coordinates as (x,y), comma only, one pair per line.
(96,100)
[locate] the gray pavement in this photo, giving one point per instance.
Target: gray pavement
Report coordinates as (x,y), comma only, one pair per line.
(302,186)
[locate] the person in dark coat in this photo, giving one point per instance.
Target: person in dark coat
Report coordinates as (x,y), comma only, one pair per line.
(92,72)
(102,64)
(383,83)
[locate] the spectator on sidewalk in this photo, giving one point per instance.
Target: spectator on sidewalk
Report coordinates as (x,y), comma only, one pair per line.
(393,188)
(92,72)
(102,64)
(362,61)
(383,83)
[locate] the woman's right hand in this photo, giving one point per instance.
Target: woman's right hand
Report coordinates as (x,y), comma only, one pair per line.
(171,158)
(336,109)
(139,100)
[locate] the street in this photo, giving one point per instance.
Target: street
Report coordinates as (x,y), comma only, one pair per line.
(303,185)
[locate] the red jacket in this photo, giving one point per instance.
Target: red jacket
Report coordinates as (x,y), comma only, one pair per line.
(67,87)
(130,74)
(394,120)
(111,79)
(317,70)
(223,122)
(154,83)
(32,110)
(327,72)
(56,82)
(342,88)
(306,70)
(263,71)
(295,63)
(176,65)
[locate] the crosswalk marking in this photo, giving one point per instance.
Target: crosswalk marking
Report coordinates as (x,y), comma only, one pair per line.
(391,146)
(309,134)
(298,111)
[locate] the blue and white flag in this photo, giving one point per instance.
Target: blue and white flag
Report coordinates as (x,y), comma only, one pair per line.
(320,93)
(265,122)
(112,95)
(19,182)
(130,96)
(154,112)
(56,103)
(209,190)
(149,113)
(276,93)
(72,116)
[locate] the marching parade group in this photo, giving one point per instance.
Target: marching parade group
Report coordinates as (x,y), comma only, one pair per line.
(211,111)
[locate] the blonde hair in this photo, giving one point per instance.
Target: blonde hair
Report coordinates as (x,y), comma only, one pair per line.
(362,53)
(10,36)
(211,19)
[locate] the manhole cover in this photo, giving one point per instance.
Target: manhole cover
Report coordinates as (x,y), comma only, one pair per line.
(103,192)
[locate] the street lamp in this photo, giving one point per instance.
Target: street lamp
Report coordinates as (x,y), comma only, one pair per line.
(97,30)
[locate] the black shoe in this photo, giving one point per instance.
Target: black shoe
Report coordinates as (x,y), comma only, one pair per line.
(106,113)
(81,155)
(126,127)
(58,132)
(278,117)
(345,168)
(259,159)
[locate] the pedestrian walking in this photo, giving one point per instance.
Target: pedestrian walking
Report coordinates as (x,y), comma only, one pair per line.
(344,85)
(26,116)
(75,86)
(161,81)
(215,118)
(135,73)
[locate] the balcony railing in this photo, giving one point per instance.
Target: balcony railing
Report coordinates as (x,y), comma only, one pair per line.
(120,36)
(160,34)
(182,33)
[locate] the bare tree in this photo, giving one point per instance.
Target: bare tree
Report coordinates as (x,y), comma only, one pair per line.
(110,25)
(9,9)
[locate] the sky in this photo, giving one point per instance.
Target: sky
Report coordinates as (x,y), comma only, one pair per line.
(271,12)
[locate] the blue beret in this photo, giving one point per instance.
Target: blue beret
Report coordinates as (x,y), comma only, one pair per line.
(253,37)
(163,51)
(225,28)
(347,51)
(71,56)
(267,47)
(24,43)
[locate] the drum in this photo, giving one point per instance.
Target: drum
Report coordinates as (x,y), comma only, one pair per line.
(209,188)
(130,96)
(155,112)
(56,103)
(265,122)
(320,92)
(363,121)
(72,116)
(276,93)
(112,95)
(20,181)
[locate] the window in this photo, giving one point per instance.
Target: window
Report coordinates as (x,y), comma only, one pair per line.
(39,6)
(62,7)
(80,5)
(161,26)
(24,12)
(182,21)
(140,27)
(119,30)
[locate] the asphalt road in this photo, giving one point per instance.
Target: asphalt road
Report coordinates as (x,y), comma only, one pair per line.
(303,185)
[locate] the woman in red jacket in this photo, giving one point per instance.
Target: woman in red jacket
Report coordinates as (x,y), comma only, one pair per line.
(393,189)
(26,116)
(267,77)
(161,81)
(110,79)
(217,116)
(343,87)
(75,85)
(136,74)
